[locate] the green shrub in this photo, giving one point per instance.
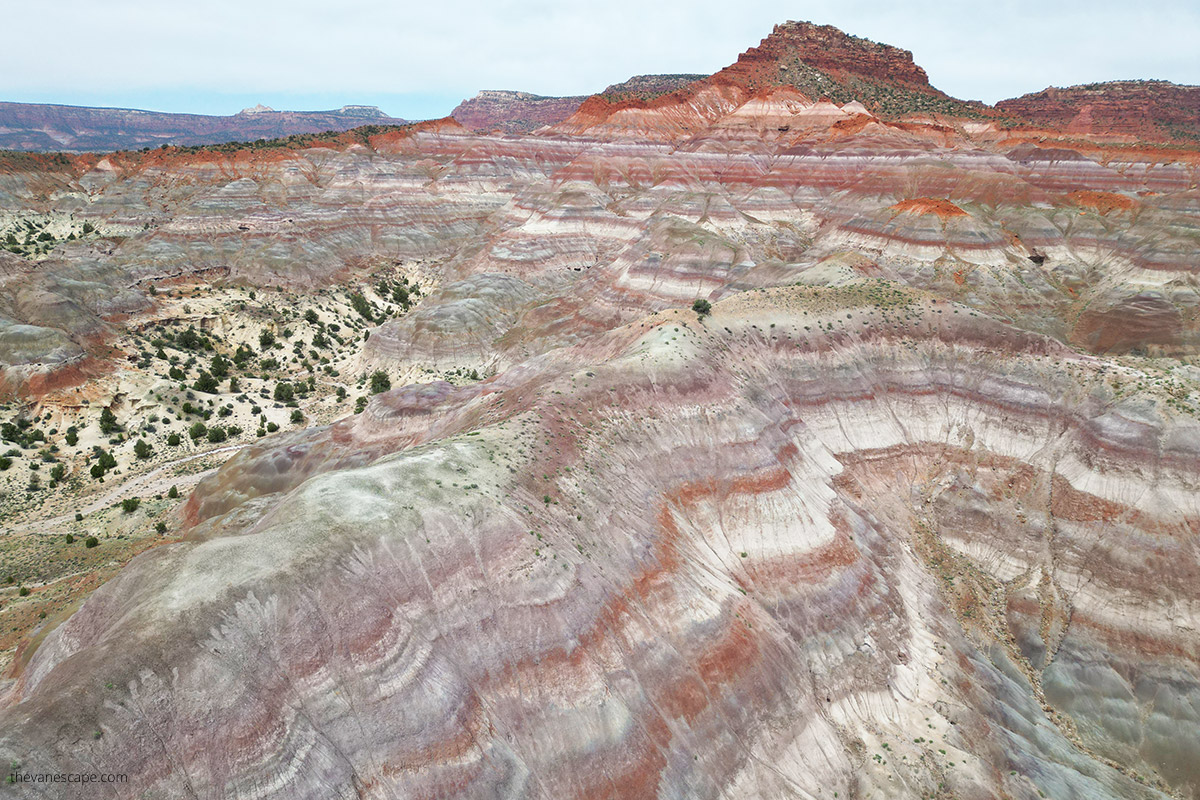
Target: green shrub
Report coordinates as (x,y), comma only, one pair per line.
(130,504)
(91,541)
(701,306)
(362,306)
(173,492)
(206,383)
(189,339)
(216,434)
(380,382)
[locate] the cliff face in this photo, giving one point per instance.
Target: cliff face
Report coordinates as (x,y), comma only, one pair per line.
(31,126)
(909,511)
(781,56)
(1154,110)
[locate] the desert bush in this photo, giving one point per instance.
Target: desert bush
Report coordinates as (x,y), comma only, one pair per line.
(380,382)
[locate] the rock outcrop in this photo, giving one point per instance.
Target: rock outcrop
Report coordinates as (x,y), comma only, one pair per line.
(1133,110)
(513,112)
(818,61)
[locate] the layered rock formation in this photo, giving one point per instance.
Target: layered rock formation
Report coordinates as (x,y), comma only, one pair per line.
(522,112)
(1137,110)
(819,62)
(910,512)
(513,112)
(685,558)
(37,126)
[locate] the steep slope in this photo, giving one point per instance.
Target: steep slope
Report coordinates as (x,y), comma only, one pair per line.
(729,557)
(1146,110)
(34,126)
(647,87)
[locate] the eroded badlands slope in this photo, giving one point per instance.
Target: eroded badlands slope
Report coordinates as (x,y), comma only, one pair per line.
(852,540)
(912,512)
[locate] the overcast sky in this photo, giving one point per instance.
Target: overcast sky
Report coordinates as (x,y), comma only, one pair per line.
(417,60)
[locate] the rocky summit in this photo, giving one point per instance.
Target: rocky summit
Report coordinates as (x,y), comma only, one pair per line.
(797,431)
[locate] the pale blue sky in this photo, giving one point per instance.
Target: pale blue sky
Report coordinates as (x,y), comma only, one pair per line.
(418,60)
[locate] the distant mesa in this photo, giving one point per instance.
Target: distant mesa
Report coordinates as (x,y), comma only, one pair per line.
(43,127)
(361,111)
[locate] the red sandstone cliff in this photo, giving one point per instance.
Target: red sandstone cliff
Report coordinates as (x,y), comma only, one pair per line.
(1143,109)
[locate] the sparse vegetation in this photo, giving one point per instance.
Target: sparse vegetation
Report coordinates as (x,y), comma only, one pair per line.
(380,382)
